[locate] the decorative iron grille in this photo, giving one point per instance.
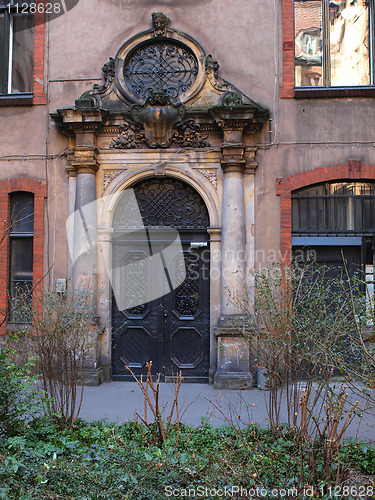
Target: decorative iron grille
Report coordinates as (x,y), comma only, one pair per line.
(165,202)
(334,208)
(187,295)
(163,65)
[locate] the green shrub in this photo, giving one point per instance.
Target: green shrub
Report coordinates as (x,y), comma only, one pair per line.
(113,462)
(19,398)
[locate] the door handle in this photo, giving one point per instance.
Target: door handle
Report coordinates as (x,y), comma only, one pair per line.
(198,244)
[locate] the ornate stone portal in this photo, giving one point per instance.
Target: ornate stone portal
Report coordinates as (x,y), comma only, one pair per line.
(164,110)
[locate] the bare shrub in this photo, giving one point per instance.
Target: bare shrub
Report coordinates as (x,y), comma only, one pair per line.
(159,428)
(312,326)
(59,338)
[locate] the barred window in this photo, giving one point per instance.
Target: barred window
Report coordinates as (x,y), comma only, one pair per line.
(21,240)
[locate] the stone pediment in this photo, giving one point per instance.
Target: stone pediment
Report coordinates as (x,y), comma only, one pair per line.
(162,90)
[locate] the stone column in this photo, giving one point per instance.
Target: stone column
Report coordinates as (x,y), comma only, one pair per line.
(233,231)
(249,185)
(85,241)
(233,371)
(215,293)
(105,299)
(85,218)
(72,180)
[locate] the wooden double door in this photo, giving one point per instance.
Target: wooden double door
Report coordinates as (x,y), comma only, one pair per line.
(173,328)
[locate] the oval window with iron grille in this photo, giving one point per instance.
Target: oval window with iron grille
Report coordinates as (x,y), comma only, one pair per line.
(163,64)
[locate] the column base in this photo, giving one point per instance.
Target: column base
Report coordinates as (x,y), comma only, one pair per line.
(233,367)
(107,374)
(93,377)
(233,381)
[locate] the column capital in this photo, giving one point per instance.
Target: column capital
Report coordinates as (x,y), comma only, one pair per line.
(105,234)
(251,164)
(233,158)
(86,169)
(238,158)
(83,160)
(215,233)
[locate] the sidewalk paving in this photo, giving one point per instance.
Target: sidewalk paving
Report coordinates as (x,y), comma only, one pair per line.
(119,401)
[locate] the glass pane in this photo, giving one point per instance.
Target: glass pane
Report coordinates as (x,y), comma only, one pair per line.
(367,219)
(358,221)
(2,54)
(349,42)
(295,215)
(22,212)
(303,213)
(312,213)
(20,300)
(322,216)
(23,53)
(21,259)
(308,42)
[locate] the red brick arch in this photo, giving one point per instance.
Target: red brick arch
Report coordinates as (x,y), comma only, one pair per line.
(39,189)
(354,170)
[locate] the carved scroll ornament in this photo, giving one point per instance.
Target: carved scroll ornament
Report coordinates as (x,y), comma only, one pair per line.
(186,134)
(130,136)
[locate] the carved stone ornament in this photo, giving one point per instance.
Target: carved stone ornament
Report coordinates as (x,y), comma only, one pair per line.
(108,176)
(109,72)
(130,136)
(188,134)
(212,66)
(159,117)
(161,23)
(159,78)
(212,72)
(210,174)
(231,99)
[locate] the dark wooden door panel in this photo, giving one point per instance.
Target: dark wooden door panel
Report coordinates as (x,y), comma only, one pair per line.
(186,326)
(171,330)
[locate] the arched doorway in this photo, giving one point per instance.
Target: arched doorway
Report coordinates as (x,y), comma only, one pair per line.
(172,330)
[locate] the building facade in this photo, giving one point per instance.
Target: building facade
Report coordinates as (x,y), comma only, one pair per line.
(188,146)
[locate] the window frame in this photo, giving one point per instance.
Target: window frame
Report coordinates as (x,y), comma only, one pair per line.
(14,236)
(307,236)
(289,90)
(9,12)
(326,211)
(38,95)
(39,189)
